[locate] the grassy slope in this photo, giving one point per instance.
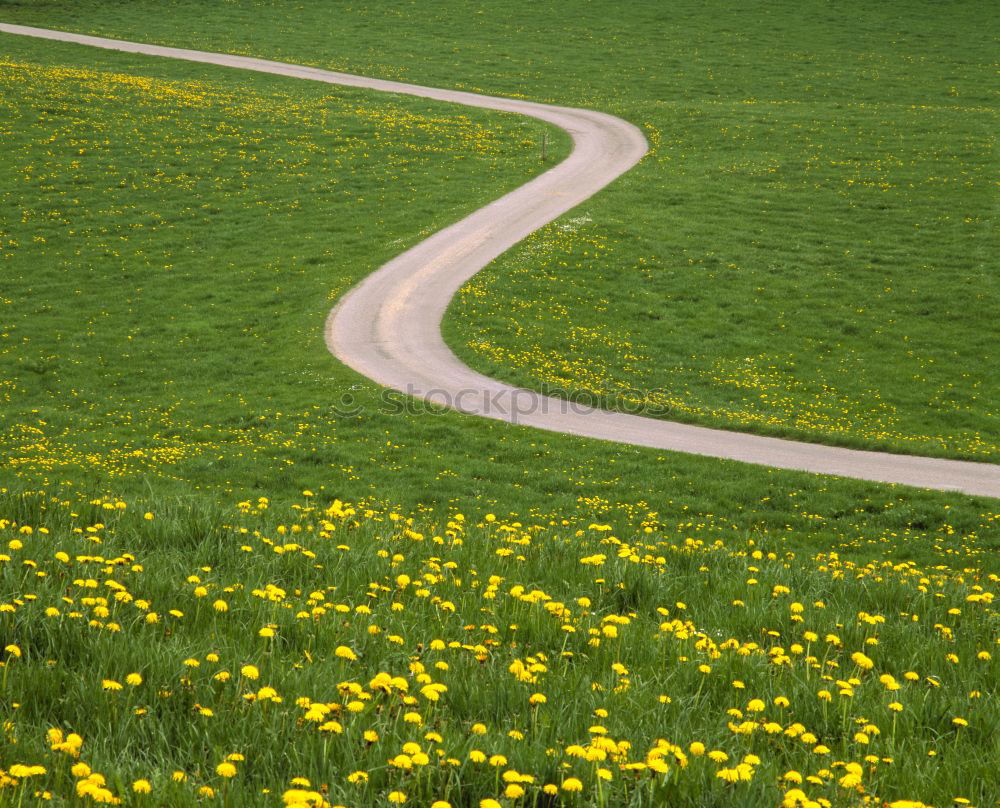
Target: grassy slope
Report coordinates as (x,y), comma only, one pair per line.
(147,379)
(806,251)
(258,421)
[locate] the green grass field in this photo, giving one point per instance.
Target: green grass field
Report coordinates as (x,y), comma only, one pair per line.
(172,237)
(145,364)
(807,251)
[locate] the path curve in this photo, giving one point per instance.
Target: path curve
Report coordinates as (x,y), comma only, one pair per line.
(388,326)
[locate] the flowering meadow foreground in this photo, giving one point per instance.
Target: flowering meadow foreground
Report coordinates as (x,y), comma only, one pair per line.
(328,654)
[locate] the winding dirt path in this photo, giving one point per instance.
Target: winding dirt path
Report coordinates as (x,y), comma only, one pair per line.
(388,326)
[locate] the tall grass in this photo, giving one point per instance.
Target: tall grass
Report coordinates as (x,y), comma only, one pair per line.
(455,659)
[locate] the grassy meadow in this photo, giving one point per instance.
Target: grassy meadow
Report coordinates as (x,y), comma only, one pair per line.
(234,574)
(317,653)
(808,249)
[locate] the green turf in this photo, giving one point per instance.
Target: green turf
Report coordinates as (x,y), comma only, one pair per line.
(159,346)
(808,250)
(164,284)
